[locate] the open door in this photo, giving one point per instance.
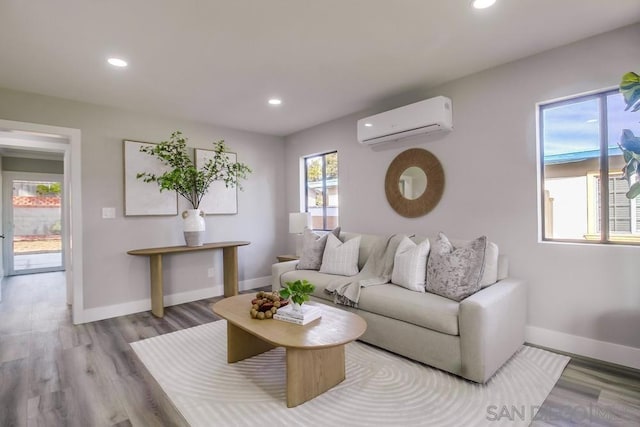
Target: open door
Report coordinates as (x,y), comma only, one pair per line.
(33,223)
(64,143)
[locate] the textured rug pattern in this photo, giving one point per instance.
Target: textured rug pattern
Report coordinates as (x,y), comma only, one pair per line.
(380,389)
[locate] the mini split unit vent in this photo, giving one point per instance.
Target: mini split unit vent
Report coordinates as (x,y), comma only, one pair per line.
(430,115)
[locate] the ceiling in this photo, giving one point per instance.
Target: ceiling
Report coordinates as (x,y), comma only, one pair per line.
(219,61)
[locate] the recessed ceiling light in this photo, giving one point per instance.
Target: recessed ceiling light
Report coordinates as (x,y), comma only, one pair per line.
(275,101)
(117,62)
(482,4)
(368,125)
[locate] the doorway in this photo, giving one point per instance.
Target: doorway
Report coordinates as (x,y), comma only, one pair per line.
(66,142)
(33,222)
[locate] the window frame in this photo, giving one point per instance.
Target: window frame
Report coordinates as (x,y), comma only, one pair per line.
(603,162)
(325,195)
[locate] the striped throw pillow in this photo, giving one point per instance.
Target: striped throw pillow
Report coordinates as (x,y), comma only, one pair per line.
(341,258)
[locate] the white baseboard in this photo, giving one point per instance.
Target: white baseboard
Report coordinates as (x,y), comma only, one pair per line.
(116,310)
(258,282)
(601,350)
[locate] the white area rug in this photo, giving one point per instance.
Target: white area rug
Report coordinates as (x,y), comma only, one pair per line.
(381,389)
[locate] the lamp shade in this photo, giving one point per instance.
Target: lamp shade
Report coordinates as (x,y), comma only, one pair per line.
(298,221)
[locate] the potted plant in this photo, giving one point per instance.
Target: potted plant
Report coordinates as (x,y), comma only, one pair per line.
(297,292)
(629,143)
(190,182)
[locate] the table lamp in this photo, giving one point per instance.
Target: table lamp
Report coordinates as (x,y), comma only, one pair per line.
(297,222)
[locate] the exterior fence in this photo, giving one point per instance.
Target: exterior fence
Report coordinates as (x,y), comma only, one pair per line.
(36,217)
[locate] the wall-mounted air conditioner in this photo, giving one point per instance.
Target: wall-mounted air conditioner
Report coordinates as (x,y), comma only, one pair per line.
(430,115)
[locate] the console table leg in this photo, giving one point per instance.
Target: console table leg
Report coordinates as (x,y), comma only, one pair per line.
(230,270)
(157,295)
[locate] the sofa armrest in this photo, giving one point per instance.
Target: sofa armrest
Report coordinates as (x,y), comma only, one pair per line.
(278,269)
(492,323)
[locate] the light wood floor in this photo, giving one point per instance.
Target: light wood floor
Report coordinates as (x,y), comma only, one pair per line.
(55,374)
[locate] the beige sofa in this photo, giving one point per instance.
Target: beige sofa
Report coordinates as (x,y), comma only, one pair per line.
(471,338)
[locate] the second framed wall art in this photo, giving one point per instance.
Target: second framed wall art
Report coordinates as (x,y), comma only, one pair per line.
(219,199)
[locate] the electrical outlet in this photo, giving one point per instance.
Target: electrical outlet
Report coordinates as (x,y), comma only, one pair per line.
(210,272)
(108,213)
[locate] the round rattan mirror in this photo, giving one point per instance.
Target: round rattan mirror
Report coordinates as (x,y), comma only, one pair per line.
(402,170)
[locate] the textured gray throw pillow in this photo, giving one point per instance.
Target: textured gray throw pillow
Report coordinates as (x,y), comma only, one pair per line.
(455,273)
(313,248)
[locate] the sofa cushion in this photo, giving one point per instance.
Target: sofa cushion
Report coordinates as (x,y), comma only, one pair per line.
(339,257)
(426,310)
(490,269)
(410,264)
(455,273)
(503,267)
(313,248)
(367,243)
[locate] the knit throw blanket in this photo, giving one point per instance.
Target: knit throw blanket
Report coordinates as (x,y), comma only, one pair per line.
(376,271)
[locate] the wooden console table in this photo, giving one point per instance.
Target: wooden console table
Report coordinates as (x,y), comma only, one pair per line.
(229,261)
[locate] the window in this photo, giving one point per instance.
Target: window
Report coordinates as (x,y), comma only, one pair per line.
(321,190)
(624,221)
(578,146)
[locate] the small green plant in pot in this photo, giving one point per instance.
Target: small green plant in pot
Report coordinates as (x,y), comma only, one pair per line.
(298,292)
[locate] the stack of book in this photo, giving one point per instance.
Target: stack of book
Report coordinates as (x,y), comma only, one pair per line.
(309,314)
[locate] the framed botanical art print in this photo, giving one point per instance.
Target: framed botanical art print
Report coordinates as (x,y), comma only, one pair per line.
(145,198)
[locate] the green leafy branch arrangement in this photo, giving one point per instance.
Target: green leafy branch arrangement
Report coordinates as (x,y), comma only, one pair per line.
(184,178)
(298,291)
(629,143)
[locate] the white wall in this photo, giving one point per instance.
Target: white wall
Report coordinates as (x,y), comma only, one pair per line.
(588,295)
(1,228)
(116,283)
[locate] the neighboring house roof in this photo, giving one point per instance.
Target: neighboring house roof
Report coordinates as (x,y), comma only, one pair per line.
(578,156)
(318,184)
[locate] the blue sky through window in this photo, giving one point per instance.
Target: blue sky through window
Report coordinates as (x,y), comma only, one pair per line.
(575,127)
(571,128)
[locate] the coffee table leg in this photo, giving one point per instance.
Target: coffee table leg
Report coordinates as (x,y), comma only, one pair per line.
(312,372)
(242,345)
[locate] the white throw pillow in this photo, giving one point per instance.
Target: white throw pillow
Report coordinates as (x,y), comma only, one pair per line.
(313,248)
(410,264)
(341,258)
(455,272)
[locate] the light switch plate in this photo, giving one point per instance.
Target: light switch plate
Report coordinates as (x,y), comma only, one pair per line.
(108,213)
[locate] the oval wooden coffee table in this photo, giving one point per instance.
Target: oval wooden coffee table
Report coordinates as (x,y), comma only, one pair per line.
(315,351)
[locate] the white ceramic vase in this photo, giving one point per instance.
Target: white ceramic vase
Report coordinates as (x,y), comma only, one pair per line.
(296,308)
(194,227)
